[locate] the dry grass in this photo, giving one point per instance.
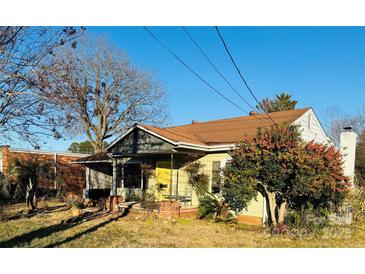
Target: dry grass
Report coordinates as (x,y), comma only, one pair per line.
(58,227)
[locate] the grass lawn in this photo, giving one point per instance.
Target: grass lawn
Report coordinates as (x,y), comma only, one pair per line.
(59,226)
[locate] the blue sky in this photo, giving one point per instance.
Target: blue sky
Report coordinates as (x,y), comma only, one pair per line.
(319,66)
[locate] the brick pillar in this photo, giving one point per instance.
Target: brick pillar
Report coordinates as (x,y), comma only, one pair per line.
(170,209)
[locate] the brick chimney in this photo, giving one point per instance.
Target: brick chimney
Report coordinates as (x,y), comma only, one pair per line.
(194,122)
(348,149)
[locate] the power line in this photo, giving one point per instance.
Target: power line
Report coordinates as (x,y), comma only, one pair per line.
(240,74)
(217,70)
(196,74)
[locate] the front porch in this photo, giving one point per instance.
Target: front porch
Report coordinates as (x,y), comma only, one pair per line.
(139,177)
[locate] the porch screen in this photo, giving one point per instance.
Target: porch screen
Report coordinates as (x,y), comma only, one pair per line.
(132,176)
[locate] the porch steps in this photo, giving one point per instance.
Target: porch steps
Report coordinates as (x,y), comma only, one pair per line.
(127,205)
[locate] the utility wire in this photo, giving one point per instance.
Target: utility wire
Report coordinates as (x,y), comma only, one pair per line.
(217,70)
(196,74)
(240,74)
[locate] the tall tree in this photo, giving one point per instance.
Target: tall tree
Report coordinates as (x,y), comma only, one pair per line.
(97,89)
(337,119)
(83,147)
(21,51)
(286,171)
(283,101)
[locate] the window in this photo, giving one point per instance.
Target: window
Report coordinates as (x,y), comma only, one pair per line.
(132,176)
(216,176)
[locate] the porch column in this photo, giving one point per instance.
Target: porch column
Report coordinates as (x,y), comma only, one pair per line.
(141,179)
(87,187)
(122,176)
(171,172)
(113,191)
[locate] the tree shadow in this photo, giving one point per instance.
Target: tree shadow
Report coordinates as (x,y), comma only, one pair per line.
(29,214)
(26,238)
(87,231)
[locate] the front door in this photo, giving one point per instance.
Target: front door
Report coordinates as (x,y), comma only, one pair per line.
(163,175)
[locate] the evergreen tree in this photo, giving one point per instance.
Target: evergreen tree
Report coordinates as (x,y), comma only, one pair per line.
(283,101)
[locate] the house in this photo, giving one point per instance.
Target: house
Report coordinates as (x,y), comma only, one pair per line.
(119,171)
(71,175)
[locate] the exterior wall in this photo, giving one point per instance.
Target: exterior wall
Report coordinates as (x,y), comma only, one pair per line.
(312,128)
(100,178)
(255,209)
(72,175)
(5,154)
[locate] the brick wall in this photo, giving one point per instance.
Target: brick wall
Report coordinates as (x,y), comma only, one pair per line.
(72,175)
(170,209)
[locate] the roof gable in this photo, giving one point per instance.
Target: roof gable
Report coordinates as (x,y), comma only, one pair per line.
(138,140)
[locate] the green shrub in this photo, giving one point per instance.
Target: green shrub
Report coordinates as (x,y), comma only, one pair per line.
(4,191)
(308,218)
(214,207)
(208,206)
(19,193)
(356,199)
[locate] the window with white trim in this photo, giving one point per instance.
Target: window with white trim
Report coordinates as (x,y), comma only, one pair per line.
(216,176)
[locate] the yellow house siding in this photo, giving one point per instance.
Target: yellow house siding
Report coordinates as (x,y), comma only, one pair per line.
(162,175)
(255,208)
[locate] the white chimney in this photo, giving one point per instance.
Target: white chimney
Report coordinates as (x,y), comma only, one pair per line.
(348,149)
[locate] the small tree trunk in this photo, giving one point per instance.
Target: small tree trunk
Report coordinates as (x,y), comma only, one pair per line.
(272,205)
(282,212)
(30,195)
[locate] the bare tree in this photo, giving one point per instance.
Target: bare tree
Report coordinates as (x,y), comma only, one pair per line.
(336,120)
(21,51)
(97,89)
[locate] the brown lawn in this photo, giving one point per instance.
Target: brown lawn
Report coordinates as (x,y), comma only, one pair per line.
(59,226)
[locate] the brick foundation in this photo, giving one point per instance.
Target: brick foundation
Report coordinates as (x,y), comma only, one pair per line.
(189,213)
(250,220)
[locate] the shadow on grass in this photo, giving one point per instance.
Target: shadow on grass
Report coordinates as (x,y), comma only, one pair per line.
(87,231)
(27,238)
(26,214)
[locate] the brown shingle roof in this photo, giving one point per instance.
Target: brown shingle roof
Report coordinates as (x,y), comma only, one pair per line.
(217,132)
(224,131)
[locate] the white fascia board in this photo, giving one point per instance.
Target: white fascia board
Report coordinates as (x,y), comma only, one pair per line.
(121,136)
(207,148)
